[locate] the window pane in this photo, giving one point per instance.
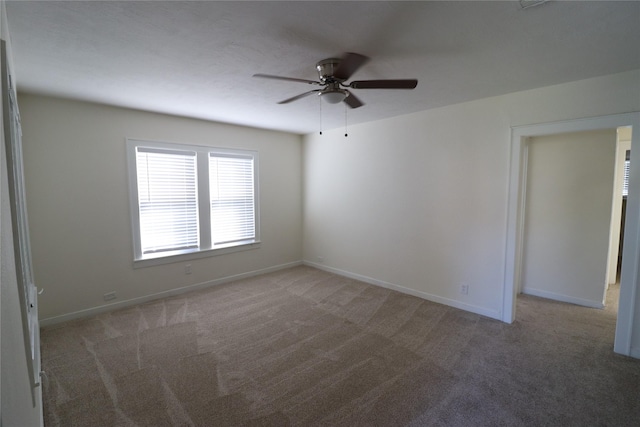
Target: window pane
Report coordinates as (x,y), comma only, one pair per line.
(625,184)
(232,199)
(167,199)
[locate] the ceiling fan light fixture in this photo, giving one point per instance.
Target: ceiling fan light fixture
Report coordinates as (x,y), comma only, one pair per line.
(334,96)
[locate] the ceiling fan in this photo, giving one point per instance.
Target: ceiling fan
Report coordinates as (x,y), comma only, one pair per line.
(333,72)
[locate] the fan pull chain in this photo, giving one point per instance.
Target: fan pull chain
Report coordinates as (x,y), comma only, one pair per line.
(320,101)
(345,121)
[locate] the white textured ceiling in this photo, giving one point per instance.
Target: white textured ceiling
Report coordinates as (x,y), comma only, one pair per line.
(197,59)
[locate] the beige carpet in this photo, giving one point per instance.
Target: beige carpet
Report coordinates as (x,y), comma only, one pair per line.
(305,347)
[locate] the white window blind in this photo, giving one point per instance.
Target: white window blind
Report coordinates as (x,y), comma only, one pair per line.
(231,190)
(167,199)
(625,183)
(191,201)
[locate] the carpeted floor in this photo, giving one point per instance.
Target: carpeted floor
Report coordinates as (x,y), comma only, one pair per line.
(305,347)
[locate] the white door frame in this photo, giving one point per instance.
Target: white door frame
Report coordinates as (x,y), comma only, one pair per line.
(516,211)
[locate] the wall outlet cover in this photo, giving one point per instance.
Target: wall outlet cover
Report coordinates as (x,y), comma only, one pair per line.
(109,296)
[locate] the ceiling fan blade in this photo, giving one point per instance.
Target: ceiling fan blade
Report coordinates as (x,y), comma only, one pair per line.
(352,101)
(290,79)
(384,84)
(302,95)
(349,64)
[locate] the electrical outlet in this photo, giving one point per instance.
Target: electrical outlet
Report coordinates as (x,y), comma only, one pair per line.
(464,289)
(109,296)
(187,269)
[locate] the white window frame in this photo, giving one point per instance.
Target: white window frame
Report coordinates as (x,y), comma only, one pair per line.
(206,248)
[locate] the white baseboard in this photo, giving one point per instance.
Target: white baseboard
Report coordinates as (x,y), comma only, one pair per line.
(494,314)
(562,298)
(164,294)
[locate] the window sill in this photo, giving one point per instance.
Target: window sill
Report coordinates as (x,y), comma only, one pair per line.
(181,256)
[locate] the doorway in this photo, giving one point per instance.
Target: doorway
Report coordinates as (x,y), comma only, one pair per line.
(516,211)
(619,205)
(567,224)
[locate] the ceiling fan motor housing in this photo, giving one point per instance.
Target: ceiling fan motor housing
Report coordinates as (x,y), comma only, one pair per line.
(326,69)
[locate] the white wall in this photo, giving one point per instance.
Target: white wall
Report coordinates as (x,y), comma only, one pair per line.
(16,405)
(408,202)
(420,201)
(568,216)
(77,196)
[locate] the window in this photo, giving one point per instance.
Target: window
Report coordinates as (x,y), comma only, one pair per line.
(627,164)
(231,194)
(191,201)
(167,200)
